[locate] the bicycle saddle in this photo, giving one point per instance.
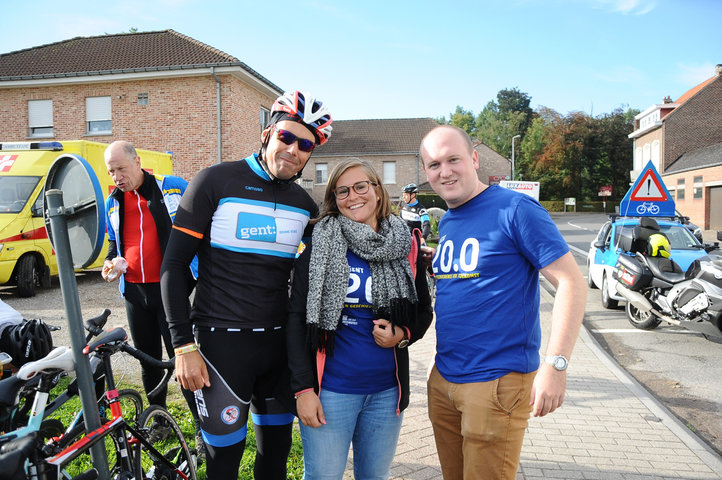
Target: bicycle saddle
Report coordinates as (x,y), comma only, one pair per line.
(60,358)
(109,336)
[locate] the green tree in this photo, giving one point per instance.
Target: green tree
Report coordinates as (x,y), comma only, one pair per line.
(464,119)
(502,119)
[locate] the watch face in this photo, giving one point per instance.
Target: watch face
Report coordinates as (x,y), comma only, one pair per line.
(560,363)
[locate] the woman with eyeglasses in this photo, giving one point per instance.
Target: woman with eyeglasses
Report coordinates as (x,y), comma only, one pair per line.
(359,298)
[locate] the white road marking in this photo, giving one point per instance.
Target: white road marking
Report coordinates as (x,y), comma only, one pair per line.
(577,226)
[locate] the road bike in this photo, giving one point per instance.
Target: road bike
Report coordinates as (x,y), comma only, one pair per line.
(152,447)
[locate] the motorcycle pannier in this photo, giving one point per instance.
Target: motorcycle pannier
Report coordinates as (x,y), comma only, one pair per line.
(632,274)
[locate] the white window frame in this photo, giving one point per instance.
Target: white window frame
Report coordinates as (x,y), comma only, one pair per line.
(321,168)
(40,118)
(389,173)
(698,186)
(265,117)
(307,183)
(98,115)
(143,99)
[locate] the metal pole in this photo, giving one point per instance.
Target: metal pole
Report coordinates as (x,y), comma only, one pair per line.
(512,154)
(69,289)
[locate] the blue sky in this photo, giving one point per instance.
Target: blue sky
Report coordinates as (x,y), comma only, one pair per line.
(398,59)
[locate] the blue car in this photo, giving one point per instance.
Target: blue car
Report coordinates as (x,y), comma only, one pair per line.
(603,253)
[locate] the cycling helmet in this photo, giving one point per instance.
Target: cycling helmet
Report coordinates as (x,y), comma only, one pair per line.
(306,108)
(411,188)
(659,245)
(28,341)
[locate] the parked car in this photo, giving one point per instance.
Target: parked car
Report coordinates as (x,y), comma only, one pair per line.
(604,251)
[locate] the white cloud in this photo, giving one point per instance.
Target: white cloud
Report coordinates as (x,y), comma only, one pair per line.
(695,74)
(628,7)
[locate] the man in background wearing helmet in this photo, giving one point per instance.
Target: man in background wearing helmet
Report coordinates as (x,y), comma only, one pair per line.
(413,212)
(244,220)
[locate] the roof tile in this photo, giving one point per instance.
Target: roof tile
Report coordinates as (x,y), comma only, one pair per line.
(126,51)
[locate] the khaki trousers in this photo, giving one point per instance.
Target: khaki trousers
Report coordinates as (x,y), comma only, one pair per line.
(479,427)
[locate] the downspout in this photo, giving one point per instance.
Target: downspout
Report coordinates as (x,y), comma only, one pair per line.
(218,111)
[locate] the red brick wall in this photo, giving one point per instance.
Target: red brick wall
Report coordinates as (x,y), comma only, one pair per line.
(697,209)
(695,124)
(180,116)
(405,172)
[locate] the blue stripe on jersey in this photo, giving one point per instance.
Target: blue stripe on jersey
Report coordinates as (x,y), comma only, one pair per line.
(272,419)
(259,251)
(225,440)
(259,203)
(256,167)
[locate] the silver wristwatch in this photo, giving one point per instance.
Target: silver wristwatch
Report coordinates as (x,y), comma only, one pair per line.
(559,362)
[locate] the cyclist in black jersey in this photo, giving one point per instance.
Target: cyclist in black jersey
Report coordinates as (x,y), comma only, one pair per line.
(245,221)
(413,212)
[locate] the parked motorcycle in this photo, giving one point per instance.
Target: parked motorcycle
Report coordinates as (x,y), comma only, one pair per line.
(656,288)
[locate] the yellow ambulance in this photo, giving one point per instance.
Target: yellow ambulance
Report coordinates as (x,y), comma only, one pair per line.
(27,259)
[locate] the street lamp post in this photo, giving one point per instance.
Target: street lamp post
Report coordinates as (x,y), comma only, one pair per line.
(512,154)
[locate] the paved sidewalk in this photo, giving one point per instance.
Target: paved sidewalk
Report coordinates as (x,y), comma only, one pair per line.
(608,428)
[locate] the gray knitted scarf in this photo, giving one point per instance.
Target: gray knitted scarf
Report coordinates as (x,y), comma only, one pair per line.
(386,251)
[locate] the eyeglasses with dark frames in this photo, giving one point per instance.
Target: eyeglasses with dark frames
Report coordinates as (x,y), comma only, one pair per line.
(359,187)
(289,139)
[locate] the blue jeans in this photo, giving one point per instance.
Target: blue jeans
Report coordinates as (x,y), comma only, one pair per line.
(369,421)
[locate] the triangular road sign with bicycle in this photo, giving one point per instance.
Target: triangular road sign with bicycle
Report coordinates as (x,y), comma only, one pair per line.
(648,197)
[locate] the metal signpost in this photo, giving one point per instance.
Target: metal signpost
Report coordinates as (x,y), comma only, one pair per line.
(604,192)
(72,181)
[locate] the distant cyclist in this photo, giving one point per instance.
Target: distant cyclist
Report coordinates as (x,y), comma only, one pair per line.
(413,212)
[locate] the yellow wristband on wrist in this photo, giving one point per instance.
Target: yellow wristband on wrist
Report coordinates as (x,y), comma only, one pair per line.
(186,349)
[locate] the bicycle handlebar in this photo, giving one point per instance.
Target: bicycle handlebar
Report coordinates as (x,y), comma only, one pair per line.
(95,325)
(146,359)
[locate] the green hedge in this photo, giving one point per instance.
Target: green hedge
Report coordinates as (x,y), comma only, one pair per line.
(429,200)
(581,207)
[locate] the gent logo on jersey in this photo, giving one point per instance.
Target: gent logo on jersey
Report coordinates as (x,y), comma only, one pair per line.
(256,227)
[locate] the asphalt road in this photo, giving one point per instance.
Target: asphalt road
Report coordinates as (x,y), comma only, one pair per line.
(680,368)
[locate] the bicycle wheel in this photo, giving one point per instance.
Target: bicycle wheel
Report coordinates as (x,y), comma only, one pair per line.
(431,283)
(160,429)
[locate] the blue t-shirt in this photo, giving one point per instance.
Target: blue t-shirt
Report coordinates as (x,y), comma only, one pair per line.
(487,292)
(358,365)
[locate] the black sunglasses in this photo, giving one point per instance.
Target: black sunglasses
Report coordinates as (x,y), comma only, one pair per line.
(288,138)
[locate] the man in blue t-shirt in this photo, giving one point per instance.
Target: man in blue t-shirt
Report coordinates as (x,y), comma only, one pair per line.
(487,378)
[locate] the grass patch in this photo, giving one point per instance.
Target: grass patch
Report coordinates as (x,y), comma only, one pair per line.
(182,415)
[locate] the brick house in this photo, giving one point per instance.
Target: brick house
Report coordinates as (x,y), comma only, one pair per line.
(683,139)
(160,90)
(390,145)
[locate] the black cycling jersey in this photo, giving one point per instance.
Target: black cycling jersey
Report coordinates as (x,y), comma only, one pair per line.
(416,216)
(246,230)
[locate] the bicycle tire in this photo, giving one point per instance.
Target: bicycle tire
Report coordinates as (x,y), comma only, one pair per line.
(131,405)
(173,447)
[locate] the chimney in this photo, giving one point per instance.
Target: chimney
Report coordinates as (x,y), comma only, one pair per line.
(718,69)
(667,99)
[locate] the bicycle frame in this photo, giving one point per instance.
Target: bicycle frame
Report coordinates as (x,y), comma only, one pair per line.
(106,343)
